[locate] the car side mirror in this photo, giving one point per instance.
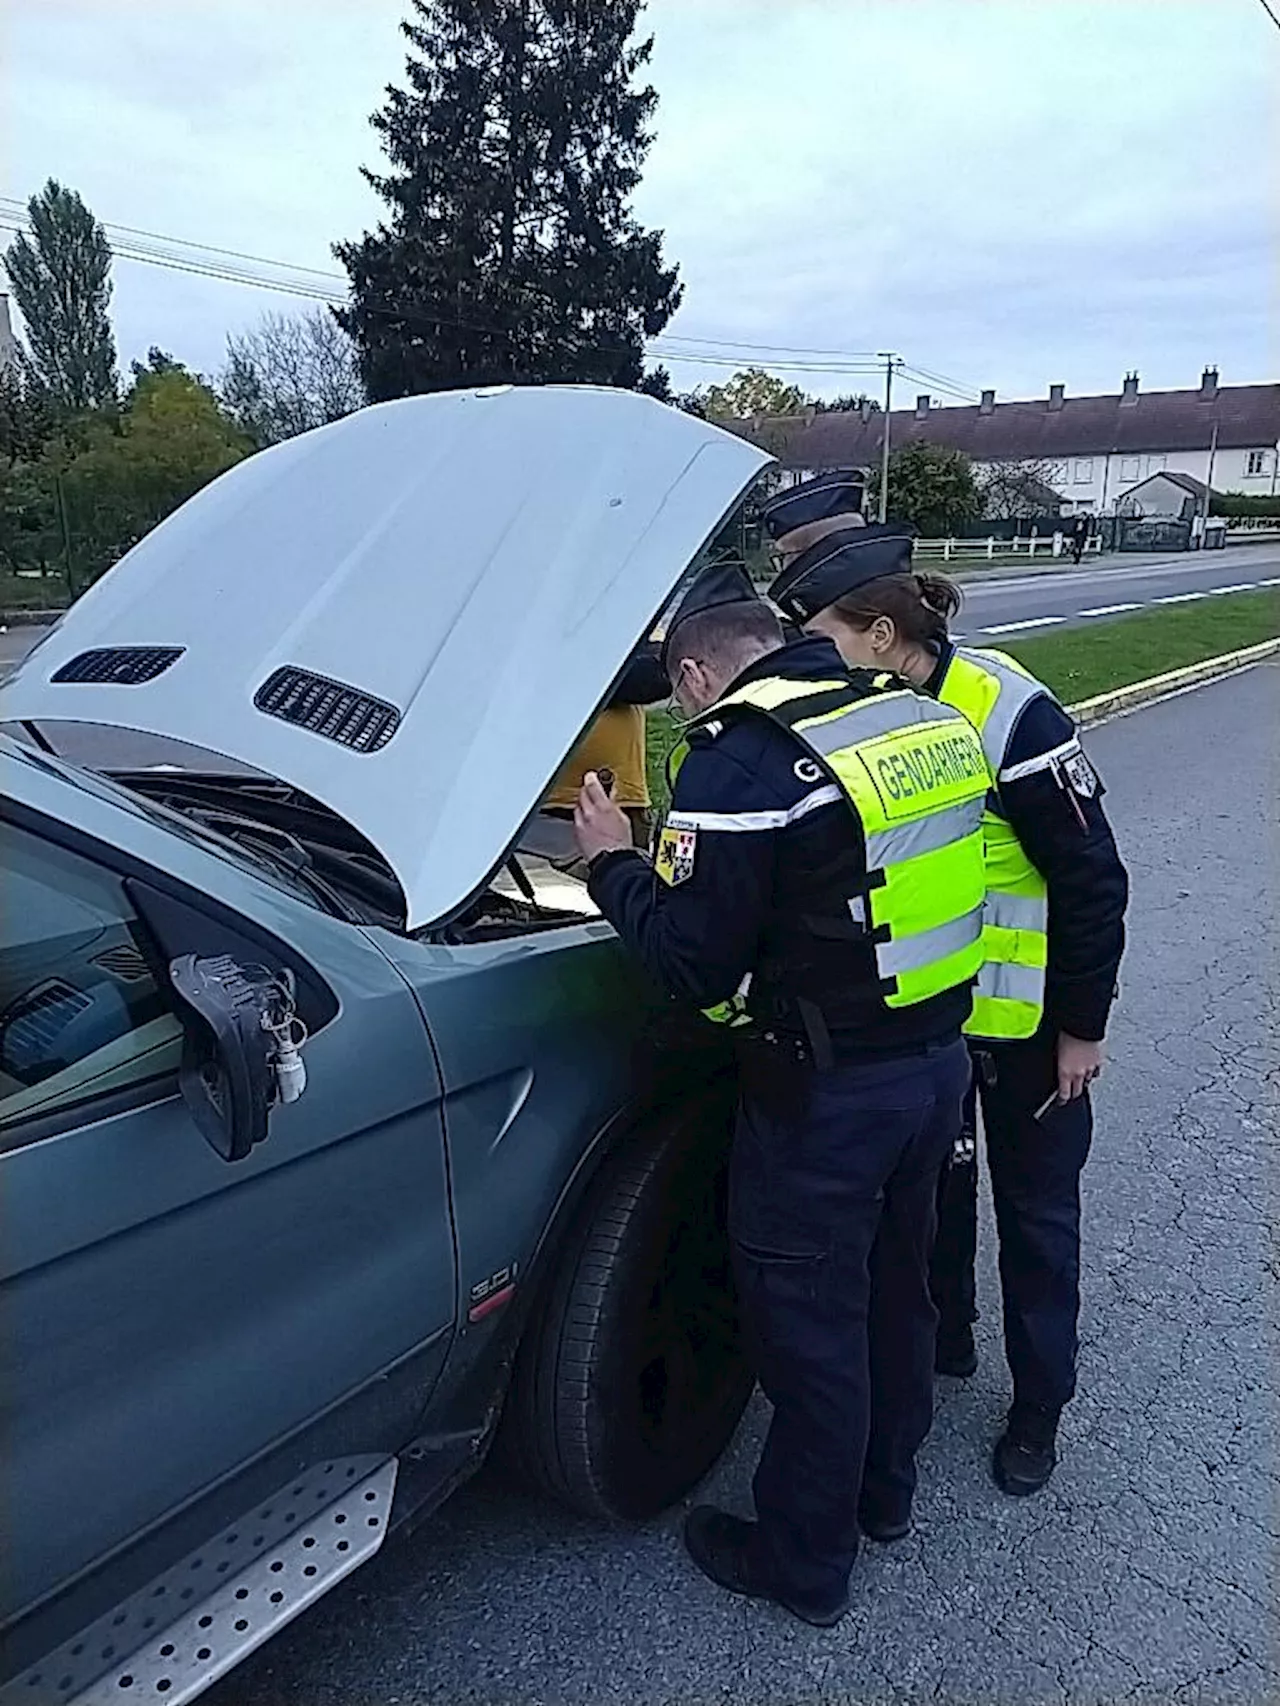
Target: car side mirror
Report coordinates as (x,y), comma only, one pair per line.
(232,1016)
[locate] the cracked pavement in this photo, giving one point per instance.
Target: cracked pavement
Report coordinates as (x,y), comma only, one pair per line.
(1146,1573)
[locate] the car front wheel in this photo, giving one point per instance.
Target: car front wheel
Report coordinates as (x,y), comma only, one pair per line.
(632,1381)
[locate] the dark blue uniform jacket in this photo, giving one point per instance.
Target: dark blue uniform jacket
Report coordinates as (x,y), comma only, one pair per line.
(772,838)
(1056,811)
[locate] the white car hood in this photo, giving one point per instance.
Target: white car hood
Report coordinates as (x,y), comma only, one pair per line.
(479,564)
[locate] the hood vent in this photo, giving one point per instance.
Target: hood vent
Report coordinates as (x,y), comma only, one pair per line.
(125,666)
(329,708)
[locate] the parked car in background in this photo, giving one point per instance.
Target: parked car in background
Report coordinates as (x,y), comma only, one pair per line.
(333,1128)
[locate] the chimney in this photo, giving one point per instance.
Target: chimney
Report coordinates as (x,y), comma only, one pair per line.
(1055,396)
(1209,385)
(1130,393)
(922,405)
(988,404)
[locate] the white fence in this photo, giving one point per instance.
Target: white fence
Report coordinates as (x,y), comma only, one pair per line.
(1033,546)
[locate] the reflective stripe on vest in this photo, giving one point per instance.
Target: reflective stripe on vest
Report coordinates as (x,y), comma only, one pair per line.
(993,691)
(915,775)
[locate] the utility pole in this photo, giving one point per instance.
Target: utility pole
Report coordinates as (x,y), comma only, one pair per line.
(890,362)
(1213,456)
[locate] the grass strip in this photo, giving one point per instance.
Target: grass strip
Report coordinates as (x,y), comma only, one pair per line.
(32,592)
(1093,658)
(1099,656)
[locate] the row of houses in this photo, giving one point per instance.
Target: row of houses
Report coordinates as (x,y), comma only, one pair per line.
(1129,452)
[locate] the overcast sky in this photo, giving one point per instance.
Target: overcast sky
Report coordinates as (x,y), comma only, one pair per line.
(1009,192)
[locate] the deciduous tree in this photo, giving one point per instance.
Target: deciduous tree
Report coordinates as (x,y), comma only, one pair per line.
(754,391)
(290,373)
(930,486)
(1020,487)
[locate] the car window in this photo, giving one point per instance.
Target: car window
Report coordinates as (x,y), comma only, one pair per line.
(80,1012)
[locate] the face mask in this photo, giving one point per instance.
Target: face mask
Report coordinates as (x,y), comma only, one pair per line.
(679,716)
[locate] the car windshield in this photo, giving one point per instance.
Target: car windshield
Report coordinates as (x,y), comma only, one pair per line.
(142,795)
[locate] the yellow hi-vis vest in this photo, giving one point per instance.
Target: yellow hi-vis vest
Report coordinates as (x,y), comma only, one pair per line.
(993,690)
(914,772)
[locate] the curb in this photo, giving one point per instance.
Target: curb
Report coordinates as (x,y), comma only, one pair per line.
(29,618)
(1120,699)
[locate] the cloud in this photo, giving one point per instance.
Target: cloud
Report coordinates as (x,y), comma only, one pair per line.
(1005,190)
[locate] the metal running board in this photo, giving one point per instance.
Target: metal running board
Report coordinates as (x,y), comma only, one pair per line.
(177,1635)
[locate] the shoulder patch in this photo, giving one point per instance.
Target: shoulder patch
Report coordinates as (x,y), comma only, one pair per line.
(673,859)
(1081,775)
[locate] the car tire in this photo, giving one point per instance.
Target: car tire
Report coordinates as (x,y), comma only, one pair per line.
(630,1383)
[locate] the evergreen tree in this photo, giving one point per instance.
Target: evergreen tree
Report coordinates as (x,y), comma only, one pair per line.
(61,282)
(510,251)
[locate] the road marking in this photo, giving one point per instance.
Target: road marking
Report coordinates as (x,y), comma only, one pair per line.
(1240,586)
(1017,627)
(1108,609)
(1179,597)
(1274,581)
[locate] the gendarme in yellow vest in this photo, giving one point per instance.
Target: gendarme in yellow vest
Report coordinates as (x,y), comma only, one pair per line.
(915,774)
(992,691)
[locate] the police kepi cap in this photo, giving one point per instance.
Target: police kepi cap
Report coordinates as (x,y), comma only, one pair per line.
(718,584)
(820,499)
(839,564)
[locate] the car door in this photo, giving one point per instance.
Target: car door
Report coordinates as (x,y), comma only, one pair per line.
(171,1322)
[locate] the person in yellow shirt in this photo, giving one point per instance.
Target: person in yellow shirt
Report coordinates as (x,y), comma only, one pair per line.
(615,742)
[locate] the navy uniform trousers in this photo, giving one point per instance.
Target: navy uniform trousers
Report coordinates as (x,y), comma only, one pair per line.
(1035,1182)
(833,1192)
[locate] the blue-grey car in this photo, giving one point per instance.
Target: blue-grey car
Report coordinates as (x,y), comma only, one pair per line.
(337,1134)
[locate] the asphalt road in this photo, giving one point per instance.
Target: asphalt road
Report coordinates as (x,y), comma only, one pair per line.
(1001,603)
(1146,1572)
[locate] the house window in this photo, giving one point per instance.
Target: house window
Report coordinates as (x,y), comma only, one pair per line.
(1156,464)
(1084,470)
(1059,473)
(1255,463)
(1131,467)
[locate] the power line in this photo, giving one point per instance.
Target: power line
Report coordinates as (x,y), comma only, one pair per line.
(415,313)
(137,245)
(425,316)
(189,243)
(1266,7)
(133,251)
(953,387)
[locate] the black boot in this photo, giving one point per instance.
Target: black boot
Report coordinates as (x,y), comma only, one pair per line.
(1024,1456)
(882,1524)
(722,1547)
(955,1352)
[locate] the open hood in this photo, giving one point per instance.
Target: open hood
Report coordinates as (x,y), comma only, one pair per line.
(410,614)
